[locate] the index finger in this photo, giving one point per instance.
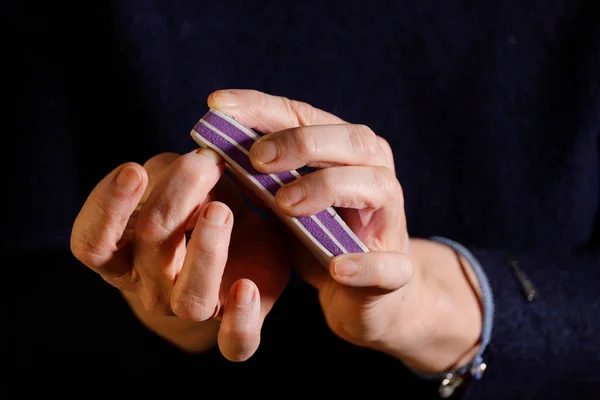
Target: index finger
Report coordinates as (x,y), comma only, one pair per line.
(267,113)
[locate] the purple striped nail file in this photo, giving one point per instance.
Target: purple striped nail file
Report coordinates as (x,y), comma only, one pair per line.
(324,233)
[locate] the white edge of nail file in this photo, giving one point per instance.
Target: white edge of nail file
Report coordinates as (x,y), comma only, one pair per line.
(325,234)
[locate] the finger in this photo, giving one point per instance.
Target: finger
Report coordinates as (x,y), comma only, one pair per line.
(154,167)
(372,191)
(347,187)
(159,235)
(239,335)
(386,271)
(317,146)
(102,220)
(196,292)
(267,113)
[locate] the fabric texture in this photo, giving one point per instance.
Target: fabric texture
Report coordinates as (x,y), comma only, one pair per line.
(491,109)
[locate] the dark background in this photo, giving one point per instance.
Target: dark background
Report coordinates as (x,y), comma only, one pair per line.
(485,103)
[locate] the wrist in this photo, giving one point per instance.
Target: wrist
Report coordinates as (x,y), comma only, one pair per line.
(443,331)
(455,302)
(189,336)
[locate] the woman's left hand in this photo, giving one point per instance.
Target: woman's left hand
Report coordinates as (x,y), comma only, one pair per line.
(412,299)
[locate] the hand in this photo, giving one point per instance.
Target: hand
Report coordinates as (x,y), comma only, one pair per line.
(159,233)
(409,298)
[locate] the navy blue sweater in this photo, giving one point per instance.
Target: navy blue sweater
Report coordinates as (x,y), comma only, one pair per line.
(492,109)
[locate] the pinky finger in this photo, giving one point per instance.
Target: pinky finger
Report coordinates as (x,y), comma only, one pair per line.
(239,335)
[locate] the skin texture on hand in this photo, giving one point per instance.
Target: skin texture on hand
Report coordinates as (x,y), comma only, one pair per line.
(199,268)
(164,234)
(414,300)
(450,314)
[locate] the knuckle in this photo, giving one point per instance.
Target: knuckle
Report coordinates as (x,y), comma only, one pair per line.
(210,243)
(106,210)
(388,154)
(83,249)
(323,182)
(156,225)
(260,102)
(79,247)
(302,112)
(102,207)
(385,146)
(191,168)
(193,307)
(405,268)
(304,143)
(363,140)
(379,272)
(387,182)
(90,240)
(210,255)
(186,163)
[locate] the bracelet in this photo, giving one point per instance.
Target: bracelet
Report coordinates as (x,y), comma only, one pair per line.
(451,380)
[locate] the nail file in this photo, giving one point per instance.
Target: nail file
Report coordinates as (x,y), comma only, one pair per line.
(325,233)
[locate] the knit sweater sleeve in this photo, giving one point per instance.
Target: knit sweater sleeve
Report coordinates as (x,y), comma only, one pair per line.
(546,325)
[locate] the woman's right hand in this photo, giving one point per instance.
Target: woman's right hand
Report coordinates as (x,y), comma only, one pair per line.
(163,235)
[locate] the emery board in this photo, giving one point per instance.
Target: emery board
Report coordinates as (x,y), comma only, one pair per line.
(325,234)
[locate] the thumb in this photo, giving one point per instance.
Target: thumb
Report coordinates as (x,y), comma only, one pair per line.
(382,271)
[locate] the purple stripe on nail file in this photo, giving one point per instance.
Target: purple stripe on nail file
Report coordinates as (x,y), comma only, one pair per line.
(230,130)
(333,225)
(241,137)
(218,131)
(245,138)
(266,181)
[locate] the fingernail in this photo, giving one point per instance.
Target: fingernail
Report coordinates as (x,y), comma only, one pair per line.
(244,294)
(225,99)
(128,179)
(291,195)
(264,151)
(210,154)
(345,267)
(217,214)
